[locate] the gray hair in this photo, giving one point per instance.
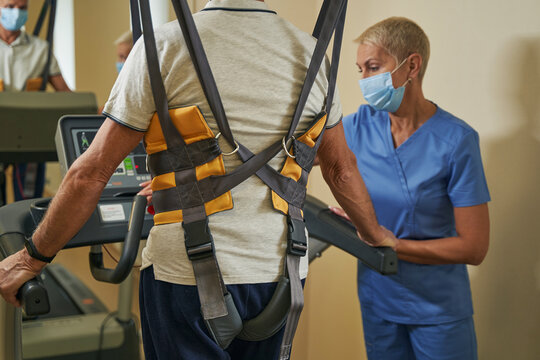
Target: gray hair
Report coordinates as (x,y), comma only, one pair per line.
(400,37)
(126,37)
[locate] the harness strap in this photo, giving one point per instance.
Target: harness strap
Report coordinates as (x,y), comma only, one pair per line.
(135,20)
(190,194)
(296,248)
(200,250)
(202,67)
(170,133)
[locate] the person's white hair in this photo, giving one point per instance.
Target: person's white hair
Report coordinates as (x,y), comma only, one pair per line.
(126,37)
(400,37)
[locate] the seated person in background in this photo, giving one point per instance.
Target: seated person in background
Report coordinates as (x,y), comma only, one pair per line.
(23,58)
(123,47)
(423,171)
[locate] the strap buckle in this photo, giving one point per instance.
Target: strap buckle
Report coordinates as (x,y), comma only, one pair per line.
(198,239)
(296,236)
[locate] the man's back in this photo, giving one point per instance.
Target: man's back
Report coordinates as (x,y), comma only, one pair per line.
(259,62)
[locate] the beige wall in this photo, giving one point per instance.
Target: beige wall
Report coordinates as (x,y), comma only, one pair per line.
(485,68)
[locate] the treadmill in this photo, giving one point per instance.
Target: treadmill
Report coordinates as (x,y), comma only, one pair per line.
(63,319)
(109,223)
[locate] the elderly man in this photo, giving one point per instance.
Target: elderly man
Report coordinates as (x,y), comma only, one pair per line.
(259,61)
(23,58)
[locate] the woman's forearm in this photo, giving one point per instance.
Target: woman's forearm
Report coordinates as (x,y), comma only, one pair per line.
(470,246)
(451,250)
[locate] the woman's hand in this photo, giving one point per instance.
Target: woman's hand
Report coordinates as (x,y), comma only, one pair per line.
(339,211)
(387,238)
(146,191)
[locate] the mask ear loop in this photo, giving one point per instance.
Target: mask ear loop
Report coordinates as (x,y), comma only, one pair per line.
(403,62)
(406,82)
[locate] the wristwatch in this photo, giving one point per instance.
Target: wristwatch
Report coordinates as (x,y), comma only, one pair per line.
(33,252)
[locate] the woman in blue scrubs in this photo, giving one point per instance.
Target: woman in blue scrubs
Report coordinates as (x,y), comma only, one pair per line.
(423,170)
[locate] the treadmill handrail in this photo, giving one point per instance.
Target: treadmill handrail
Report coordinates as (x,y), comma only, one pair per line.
(328,227)
(129,250)
(32,295)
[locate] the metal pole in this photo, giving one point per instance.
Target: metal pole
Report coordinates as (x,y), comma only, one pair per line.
(125,294)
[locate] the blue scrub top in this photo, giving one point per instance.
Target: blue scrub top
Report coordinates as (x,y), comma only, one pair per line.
(414,189)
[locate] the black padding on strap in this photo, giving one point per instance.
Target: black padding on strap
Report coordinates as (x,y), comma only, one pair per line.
(182,158)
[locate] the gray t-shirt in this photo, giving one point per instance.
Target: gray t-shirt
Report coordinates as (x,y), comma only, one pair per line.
(24,59)
(259,62)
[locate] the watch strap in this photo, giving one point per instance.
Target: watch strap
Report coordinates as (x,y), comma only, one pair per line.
(33,252)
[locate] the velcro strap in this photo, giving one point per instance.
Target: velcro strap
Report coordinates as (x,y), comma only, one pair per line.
(181,158)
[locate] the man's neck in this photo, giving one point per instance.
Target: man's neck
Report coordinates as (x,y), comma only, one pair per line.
(9,36)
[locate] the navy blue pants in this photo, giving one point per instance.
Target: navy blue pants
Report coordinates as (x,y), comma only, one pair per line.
(173,327)
(386,340)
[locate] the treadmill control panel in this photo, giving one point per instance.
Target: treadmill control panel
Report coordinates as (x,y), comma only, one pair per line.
(73,137)
(131,172)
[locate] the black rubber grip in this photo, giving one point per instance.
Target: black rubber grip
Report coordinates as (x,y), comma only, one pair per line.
(34,298)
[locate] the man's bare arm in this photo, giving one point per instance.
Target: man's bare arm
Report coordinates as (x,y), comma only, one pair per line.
(58,83)
(339,169)
(73,204)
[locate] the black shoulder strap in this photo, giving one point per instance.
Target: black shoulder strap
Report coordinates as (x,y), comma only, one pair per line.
(50,33)
(200,61)
(172,137)
(327,22)
(135,20)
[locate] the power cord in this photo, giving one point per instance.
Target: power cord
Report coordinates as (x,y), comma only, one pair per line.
(102,332)
(115,259)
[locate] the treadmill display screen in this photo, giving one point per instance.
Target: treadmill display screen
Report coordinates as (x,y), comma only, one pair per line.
(131,172)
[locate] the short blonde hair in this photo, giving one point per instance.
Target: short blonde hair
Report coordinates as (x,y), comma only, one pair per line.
(400,37)
(126,37)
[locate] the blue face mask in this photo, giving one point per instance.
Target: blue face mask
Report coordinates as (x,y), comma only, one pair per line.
(380,93)
(13,19)
(119,66)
